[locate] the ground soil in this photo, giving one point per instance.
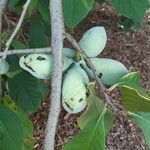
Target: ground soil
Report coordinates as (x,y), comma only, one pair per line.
(132,48)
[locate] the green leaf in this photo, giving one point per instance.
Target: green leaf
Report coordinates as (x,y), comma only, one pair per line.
(131,79)
(16,5)
(13,3)
(101,2)
(13,60)
(37,37)
(32,6)
(27,130)
(95,122)
(13,63)
(90,138)
(18,45)
(14,67)
(94,110)
(13,73)
(75,10)
(143,121)
(134,100)
(25,122)
(28,144)
(127,23)
(43,8)
(133,9)
(11,132)
(133,96)
(25,91)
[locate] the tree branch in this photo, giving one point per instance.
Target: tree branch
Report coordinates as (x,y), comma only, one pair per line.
(91,66)
(57,27)
(27,51)
(2,6)
(25,7)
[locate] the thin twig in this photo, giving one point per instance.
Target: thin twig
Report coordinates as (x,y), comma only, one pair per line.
(2,6)
(27,51)
(25,7)
(57,27)
(91,66)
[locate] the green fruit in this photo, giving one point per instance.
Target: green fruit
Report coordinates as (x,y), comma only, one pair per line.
(93,41)
(4,67)
(40,65)
(68,52)
(110,71)
(74,89)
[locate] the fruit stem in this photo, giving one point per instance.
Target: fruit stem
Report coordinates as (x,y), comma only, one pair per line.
(77,56)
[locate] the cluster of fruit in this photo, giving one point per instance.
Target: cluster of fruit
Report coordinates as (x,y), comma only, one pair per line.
(77,74)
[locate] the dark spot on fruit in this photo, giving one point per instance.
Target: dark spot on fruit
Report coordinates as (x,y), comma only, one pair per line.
(25,56)
(80,100)
(40,58)
(68,106)
(100,75)
(87,94)
(28,67)
(72,99)
(30,59)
